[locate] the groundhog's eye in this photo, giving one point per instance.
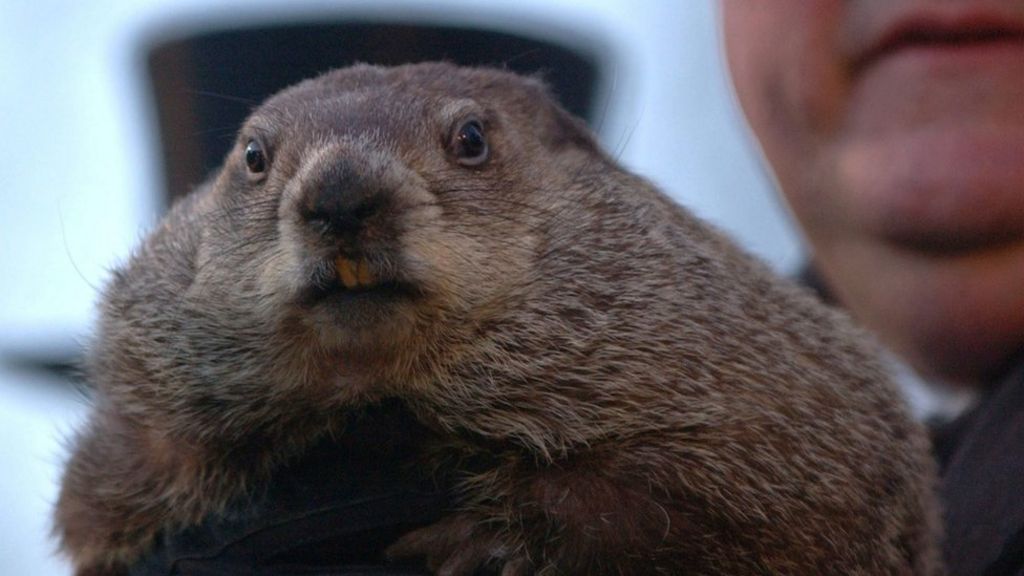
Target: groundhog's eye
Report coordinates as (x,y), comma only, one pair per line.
(469,145)
(255,158)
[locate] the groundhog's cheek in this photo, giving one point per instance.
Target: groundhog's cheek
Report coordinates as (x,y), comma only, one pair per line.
(280,275)
(430,260)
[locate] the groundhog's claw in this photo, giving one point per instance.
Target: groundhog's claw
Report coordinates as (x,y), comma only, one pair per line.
(460,545)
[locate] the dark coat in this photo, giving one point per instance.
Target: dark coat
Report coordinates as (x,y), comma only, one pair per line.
(982,462)
(332,513)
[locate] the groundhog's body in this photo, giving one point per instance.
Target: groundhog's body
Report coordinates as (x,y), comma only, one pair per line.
(646,399)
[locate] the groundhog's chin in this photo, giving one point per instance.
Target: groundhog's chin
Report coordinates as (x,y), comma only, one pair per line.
(374,317)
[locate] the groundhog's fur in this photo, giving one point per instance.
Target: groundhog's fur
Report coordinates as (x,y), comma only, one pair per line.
(646,398)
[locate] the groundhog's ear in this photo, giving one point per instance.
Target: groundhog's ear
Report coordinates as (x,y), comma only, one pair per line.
(560,129)
(567,130)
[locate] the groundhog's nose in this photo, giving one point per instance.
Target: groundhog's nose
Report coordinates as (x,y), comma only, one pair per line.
(341,202)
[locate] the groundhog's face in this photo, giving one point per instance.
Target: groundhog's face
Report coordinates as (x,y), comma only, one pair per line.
(379,203)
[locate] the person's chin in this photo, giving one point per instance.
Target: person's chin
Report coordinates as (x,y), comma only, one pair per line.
(966,306)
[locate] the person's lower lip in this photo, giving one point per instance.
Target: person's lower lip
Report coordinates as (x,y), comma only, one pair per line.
(943,188)
(954,53)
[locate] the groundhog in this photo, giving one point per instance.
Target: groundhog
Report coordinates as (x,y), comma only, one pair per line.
(636,394)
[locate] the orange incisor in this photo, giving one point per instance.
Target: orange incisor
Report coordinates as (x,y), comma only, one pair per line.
(354,274)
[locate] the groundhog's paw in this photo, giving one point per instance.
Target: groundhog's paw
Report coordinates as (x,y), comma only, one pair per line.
(463,545)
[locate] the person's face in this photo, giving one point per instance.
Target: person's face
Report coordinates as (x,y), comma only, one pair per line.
(896,130)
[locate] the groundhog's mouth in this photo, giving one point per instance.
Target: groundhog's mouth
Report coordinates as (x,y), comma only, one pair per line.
(355,274)
(353,281)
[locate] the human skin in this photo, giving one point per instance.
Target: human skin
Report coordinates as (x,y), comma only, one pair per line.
(896,131)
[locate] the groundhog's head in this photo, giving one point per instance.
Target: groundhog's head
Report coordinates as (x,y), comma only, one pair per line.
(371,206)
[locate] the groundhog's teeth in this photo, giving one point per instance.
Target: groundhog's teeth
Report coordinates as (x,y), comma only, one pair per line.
(354,274)
(347,272)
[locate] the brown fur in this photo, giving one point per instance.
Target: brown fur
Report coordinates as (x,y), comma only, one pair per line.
(646,398)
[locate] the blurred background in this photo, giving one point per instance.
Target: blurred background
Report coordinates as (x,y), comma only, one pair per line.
(109,110)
